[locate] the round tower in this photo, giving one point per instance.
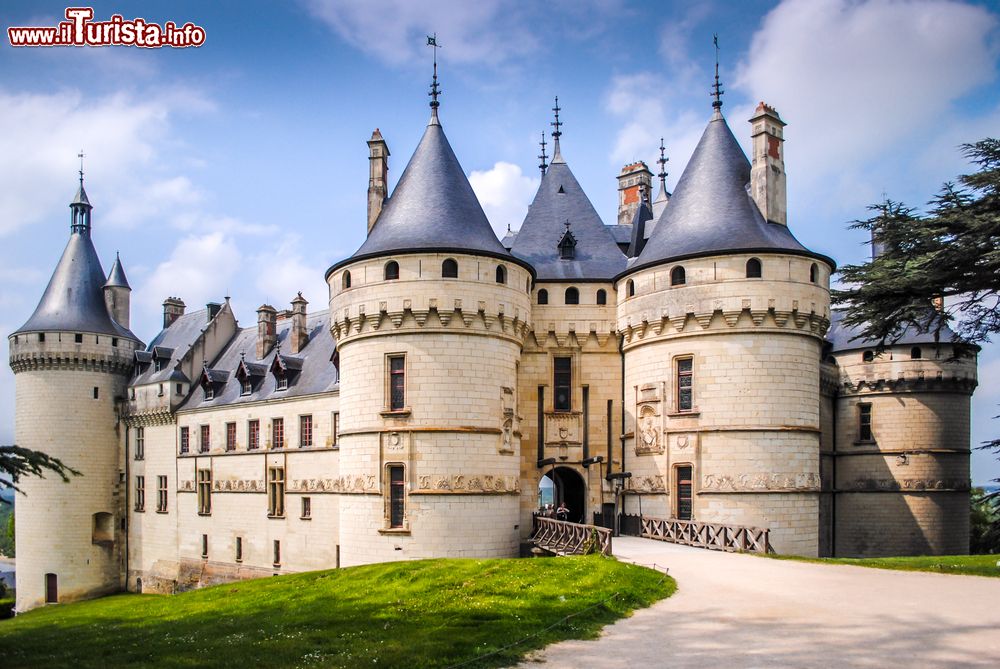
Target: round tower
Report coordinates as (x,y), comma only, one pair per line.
(722,317)
(902,444)
(429,317)
(71,362)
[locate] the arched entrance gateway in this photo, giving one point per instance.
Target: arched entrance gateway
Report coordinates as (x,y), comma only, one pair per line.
(565,485)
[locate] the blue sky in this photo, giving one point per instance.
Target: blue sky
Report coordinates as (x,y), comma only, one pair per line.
(240,167)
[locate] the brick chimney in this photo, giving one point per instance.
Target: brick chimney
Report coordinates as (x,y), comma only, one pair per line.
(767,174)
(378,176)
(173,308)
(635,183)
(267,329)
(300,334)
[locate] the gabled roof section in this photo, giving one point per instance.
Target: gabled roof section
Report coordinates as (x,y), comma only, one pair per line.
(432,208)
(711,210)
(559,199)
(74,299)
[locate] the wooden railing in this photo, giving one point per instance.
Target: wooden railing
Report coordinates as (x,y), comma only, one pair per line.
(715,536)
(564,538)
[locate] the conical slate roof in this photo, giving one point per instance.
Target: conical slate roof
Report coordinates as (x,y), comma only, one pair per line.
(642,215)
(117,276)
(711,210)
(81,196)
(560,199)
(74,298)
(432,208)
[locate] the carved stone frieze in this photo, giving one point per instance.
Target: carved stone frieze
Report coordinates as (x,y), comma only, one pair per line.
(648,484)
(903,485)
(466,484)
(762,482)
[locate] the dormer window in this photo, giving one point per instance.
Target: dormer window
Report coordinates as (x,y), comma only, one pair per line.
(286,369)
(157,365)
(212,381)
(209,392)
(282,383)
(249,375)
(567,245)
(246,386)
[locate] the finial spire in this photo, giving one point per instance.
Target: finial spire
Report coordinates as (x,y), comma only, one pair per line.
(556,134)
(663,165)
(81,156)
(435,89)
(717,87)
(543,165)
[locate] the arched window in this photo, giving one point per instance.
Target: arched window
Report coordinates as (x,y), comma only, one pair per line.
(753,268)
(501,274)
(677,276)
(915,353)
(813,273)
(345,281)
(543,296)
(391,270)
(630,288)
(449,269)
(602,296)
(867,356)
(572,296)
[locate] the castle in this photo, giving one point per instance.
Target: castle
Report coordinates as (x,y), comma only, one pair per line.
(690,344)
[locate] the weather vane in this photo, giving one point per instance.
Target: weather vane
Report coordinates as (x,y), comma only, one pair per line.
(81,156)
(543,165)
(717,88)
(435,89)
(557,133)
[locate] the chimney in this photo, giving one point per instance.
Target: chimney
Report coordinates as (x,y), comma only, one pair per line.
(173,308)
(634,185)
(300,334)
(378,163)
(767,175)
(267,330)
(213,310)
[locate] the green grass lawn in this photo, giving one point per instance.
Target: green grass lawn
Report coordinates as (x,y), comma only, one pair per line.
(431,613)
(973,565)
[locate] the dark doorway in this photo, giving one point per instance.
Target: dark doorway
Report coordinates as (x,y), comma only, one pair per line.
(51,590)
(569,488)
(684,493)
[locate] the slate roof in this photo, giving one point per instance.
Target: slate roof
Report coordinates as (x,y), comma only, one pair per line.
(622,234)
(117,276)
(638,240)
(170,345)
(74,299)
(315,373)
(560,198)
(432,208)
(842,337)
(711,210)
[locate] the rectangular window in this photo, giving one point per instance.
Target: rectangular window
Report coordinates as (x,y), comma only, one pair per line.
(230,436)
(159,391)
(204,545)
(277,433)
(305,431)
(276,492)
(206,439)
(185,440)
(685,384)
(96,392)
(684,492)
(246,387)
(78,338)
(209,392)
(140,493)
(239,549)
(114,342)
(140,443)
(161,494)
(397,382)
(157,365)
(253,435)
(180,389)
(41,337)
(864,422)
(277,553)
(335,427)
(562,382)
(282,383)
(397,496)
(204,492)
(306,507)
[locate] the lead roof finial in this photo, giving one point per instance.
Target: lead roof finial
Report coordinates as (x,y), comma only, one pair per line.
(435,88)
(81,156)
(556,134)
(717,87)
(543,165)
(663,165)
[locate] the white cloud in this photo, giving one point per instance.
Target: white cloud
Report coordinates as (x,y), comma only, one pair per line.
(505,193)
(394,31)
(288,273)
(857,79)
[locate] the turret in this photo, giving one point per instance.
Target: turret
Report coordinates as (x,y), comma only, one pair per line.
(378,176)
(117,293)
(767,176)
(73,352)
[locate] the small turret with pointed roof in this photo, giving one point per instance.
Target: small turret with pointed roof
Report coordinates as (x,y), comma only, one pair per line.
(117,293)
(595,255)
